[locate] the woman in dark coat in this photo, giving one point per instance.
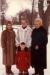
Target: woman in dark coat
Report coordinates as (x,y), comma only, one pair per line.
(8,47)
(38,47)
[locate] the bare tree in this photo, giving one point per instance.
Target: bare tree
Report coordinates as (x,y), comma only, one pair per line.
(47,16)
(3,6)
(40,7)
(33,14)
(25,14)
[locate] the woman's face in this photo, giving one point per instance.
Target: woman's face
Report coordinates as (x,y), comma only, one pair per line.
(23,23)
(37,23)
(9,26)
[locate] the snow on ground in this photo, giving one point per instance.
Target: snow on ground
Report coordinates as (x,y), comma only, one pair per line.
(16,71)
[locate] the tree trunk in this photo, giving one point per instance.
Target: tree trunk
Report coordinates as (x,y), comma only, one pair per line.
(40,7)
(47,17)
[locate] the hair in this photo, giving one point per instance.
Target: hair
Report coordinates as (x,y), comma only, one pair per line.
(8,22)
(25,19)
(19,48)
(38,19)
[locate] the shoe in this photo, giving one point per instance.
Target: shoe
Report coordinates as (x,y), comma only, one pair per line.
(20,73)
(7,73)
(26,73)
(35,74)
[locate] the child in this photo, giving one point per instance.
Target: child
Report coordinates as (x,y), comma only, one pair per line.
(23,59)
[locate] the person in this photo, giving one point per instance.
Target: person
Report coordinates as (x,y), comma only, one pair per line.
(24,33)
(8,47)
(38,47)
(23,59)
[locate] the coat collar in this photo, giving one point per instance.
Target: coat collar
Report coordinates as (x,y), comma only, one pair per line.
(9,30)
(27,28)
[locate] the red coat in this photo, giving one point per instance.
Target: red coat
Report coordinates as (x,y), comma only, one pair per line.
(23,60)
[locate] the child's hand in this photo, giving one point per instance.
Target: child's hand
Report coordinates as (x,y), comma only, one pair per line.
(36,47)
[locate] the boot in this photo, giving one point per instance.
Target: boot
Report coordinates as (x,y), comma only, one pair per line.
(26,73)
(8,70)
(11,72)
(20,73)
(34,74)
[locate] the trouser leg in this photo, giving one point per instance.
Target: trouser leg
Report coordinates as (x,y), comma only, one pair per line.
(36,71)
(41,72)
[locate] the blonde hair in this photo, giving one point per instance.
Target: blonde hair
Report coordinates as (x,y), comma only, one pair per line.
(38,19)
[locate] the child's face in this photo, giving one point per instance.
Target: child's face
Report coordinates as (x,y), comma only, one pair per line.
(22,47)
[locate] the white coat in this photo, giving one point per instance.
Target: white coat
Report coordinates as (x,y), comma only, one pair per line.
(23,35)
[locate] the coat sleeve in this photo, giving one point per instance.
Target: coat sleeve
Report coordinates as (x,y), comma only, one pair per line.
(44,39)
(29,38)
(29,58)
(3,41)
(17,38)
(16,58)
(32,43)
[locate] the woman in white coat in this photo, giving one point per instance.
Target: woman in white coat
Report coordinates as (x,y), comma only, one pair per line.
(24,33)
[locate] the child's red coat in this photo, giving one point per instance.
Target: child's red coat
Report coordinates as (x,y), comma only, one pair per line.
(23,59)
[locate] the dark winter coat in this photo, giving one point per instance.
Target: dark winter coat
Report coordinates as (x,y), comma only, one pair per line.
(39,56)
